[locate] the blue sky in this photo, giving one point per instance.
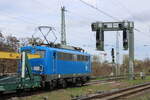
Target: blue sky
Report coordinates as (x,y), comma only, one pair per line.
(21,17)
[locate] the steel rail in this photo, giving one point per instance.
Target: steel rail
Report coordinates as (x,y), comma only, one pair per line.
(115,94)
(105,80)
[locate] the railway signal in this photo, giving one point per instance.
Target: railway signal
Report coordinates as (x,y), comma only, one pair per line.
(125,39)
(128,37)
(100,27)
(112,54)
(100,40)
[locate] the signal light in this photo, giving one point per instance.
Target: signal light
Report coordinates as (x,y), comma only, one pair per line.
(125,39)
(100,40)
(120,26)
(113,54)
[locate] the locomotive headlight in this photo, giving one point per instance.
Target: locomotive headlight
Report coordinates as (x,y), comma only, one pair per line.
(38,68)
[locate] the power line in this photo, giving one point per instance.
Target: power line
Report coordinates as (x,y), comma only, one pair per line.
(106,14)
(17,18)
(144,33)
(123,6)
(101,11)
(79,15)
(22,18)
(130,13)
(136,29)
(60,2)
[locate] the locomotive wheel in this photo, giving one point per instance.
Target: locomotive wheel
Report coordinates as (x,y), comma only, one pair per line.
(73,82)
(79,82)
(47,86)
(54,83)
(51,85)
(64,84)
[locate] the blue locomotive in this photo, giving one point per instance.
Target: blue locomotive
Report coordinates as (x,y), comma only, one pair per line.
(60,67)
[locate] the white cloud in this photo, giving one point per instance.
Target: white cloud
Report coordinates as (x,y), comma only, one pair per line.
(21,17)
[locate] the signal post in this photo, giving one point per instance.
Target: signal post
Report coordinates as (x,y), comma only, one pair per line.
(128,38)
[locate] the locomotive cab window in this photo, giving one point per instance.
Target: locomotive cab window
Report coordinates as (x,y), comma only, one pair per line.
(41,53)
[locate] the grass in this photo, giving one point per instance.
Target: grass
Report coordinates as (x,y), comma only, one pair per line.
(146,96)
(137,81)
(65,94)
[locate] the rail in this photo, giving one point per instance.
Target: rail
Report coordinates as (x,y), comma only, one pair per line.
(115,94)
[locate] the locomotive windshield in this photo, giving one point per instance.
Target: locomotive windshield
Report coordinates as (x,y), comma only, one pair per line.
(41,53)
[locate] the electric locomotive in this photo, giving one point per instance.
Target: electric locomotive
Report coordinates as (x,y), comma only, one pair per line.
(59,66)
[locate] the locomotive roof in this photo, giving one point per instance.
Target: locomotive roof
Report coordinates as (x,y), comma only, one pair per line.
(53,49)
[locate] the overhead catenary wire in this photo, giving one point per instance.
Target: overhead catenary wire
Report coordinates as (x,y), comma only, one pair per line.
(20,17)
(123,6)
(136,29)
(83,17)
(127,9)
(146,35)
(17,18)
(79,15)
(23,18)
(99,10)
(130,13)
(61,3)
(105,13)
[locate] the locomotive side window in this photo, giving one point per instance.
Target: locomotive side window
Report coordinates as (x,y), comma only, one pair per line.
(71,57)
(86,58)
(82,58)
(78,57)
(75,57)
(41,53)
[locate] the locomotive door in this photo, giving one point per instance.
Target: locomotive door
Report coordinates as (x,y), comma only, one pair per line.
(54,63)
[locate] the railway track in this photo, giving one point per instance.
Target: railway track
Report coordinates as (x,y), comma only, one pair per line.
(105,80)
(8,96)
(116,94)
(18,94)
(39,91)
